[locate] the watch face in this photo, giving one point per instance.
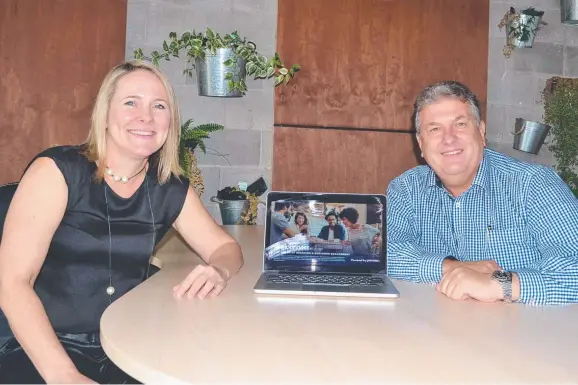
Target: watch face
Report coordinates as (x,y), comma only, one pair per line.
(500,275)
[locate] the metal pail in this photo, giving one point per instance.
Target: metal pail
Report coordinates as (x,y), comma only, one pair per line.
(525,21)
(569,11)
(211,73)
(231,211)
(529,136)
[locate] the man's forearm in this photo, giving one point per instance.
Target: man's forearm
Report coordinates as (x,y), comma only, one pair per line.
(408,261)
(448,264)
(552,286)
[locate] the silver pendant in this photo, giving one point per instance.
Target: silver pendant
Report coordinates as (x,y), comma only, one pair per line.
(110,290)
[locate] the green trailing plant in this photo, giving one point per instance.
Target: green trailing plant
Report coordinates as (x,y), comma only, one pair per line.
(520,30)
(192,137)
(196,45)
(560,100)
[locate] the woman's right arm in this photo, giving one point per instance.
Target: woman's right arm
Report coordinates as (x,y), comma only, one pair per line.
(34,215)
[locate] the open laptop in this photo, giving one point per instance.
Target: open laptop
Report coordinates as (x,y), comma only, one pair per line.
(325,244)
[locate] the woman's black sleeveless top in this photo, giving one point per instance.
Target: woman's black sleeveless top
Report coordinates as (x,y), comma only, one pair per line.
(75,275)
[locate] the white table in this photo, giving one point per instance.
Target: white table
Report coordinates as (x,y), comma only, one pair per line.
(243,338)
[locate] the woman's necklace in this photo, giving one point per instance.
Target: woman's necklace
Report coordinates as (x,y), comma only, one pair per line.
(121,178)
(110,290)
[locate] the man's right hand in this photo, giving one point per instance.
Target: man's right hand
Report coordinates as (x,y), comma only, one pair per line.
(486,266)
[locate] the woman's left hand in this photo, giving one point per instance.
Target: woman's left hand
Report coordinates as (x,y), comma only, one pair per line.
(204,281)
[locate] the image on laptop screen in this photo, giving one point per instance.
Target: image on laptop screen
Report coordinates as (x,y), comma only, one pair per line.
(325,236)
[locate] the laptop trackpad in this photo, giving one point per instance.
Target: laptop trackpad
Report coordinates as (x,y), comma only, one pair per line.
(326,288)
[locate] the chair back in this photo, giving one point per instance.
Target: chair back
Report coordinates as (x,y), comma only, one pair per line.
(6,193)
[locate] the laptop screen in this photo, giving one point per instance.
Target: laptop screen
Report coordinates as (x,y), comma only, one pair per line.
(325,233)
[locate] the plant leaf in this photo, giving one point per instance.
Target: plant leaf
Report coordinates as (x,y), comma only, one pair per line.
(202,147)
(262,73)
(196,43)
(210,127)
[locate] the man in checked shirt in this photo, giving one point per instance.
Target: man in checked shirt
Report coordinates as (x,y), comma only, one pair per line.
(475,222)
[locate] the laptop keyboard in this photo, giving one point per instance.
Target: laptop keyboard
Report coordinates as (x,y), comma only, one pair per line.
(340,280)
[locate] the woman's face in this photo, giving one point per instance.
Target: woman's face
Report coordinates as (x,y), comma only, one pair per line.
(300,220)
(138,117)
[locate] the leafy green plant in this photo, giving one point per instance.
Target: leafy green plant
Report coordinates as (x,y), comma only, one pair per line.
(192,137)
(196,45)
(560,100)
(519,29)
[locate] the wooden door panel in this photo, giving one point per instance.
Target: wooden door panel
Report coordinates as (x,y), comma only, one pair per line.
(326,160)
(364,61)
(56,54)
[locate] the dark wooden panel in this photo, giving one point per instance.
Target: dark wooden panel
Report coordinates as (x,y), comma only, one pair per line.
(323,160)
(54,57)
(364,61)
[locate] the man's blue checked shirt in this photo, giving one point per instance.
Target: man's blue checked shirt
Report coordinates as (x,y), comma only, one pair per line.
(521,215)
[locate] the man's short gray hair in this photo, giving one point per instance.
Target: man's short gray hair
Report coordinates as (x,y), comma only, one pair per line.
(446,89)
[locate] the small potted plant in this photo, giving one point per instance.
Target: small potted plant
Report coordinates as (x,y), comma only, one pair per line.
(239,206)
(560,100)
(221,62)
(192,137)
(521,28)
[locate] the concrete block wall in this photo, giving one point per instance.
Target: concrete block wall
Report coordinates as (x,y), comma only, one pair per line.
(515,84)
(242,152)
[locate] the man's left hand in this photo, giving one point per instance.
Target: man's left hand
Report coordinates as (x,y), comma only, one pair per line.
(203,281)
(463,283)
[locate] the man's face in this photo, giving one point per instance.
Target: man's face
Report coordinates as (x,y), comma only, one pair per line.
(331,220)
(451,142)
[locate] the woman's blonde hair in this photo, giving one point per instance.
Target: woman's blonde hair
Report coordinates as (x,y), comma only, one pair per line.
(167,158)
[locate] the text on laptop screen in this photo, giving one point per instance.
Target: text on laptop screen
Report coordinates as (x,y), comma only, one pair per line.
(321,236)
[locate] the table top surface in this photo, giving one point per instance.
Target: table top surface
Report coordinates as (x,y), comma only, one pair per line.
(242,337)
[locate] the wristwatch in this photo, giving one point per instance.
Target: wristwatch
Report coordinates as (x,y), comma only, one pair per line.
(504,278)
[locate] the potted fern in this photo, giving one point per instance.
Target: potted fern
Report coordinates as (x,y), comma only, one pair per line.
(192,137)
(221,62)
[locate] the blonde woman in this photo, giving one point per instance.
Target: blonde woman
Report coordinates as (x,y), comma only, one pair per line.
(83,224)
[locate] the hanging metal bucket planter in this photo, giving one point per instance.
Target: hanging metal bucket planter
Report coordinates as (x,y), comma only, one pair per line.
(212,72)
(529,136)
(569,10)
(521,31)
